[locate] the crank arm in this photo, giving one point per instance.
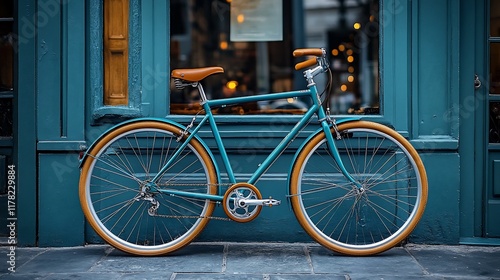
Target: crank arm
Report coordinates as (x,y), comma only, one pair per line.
(263,202)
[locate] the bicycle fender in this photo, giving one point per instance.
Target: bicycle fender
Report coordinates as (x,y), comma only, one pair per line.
(319,130)
(167,121)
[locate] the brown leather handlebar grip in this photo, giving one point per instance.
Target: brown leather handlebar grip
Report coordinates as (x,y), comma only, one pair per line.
(307,63)
(303,52)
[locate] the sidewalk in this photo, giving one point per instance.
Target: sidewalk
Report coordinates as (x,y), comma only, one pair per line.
(254,261)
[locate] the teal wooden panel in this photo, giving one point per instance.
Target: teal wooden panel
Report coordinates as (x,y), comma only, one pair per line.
(60,218)
(48,72)
(61,73)
(492,198)
(395,62)
(440,222)
(25,125)
(3,174)
(492,229)
(4,231)
(155,58)
(435,35)
(496,178)
(73,95)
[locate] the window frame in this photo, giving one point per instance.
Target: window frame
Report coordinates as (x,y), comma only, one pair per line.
(99,111)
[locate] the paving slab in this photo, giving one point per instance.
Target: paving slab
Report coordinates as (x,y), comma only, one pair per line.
(21,256)
(194,258)
(458,261)
(395,262)
(60,260)
(267,258)
(85,276)
(308,277)
(239,276)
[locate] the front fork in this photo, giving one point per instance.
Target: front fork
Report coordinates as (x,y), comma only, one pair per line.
(332,147)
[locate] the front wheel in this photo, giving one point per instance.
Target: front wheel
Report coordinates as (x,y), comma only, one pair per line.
(372,216)
(126,209)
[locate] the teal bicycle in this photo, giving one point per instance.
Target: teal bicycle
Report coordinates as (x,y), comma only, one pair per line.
(150,186)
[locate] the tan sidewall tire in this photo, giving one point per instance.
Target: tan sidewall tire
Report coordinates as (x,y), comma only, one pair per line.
(83,187)
(296,203)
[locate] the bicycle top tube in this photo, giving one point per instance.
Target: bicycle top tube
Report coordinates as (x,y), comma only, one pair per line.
(261,97)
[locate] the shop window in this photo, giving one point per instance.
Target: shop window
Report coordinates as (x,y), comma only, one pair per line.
(348,29)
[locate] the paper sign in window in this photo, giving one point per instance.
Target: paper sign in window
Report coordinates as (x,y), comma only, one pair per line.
(256,20)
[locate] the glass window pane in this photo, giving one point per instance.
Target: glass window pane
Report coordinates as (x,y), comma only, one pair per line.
(6,45)
(495,68)
(495,18)
(353,39)
(494,132)
(349,30)
(6,117)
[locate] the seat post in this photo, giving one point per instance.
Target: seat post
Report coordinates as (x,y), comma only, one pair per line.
(203,96)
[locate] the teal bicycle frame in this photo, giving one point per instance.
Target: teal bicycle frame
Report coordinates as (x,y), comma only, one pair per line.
(316,108)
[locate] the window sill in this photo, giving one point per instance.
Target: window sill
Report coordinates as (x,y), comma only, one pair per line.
(114,114)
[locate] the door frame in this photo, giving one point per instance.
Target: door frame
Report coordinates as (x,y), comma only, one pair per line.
(473,107)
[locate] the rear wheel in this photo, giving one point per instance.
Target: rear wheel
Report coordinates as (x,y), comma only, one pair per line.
(125,210)
(359,221)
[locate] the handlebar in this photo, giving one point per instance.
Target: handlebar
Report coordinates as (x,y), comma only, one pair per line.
(319,53)
(303,52)
(304,64)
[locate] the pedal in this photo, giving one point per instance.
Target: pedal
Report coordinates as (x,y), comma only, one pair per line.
(271,202)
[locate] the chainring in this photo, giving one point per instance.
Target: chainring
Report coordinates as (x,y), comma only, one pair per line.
(234,210)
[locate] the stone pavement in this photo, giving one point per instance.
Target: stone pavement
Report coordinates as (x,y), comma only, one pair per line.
(253,261)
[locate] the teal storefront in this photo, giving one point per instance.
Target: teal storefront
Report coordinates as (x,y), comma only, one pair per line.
(436,81)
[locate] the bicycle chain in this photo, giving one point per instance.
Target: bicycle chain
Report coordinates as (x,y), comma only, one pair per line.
(193,217)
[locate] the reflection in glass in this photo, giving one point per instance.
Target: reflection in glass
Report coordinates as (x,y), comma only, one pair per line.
(494,132)
(6,67)
(200,36)
(354,48)
(6,45)
(495,18)
(495,68)
(6,117)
